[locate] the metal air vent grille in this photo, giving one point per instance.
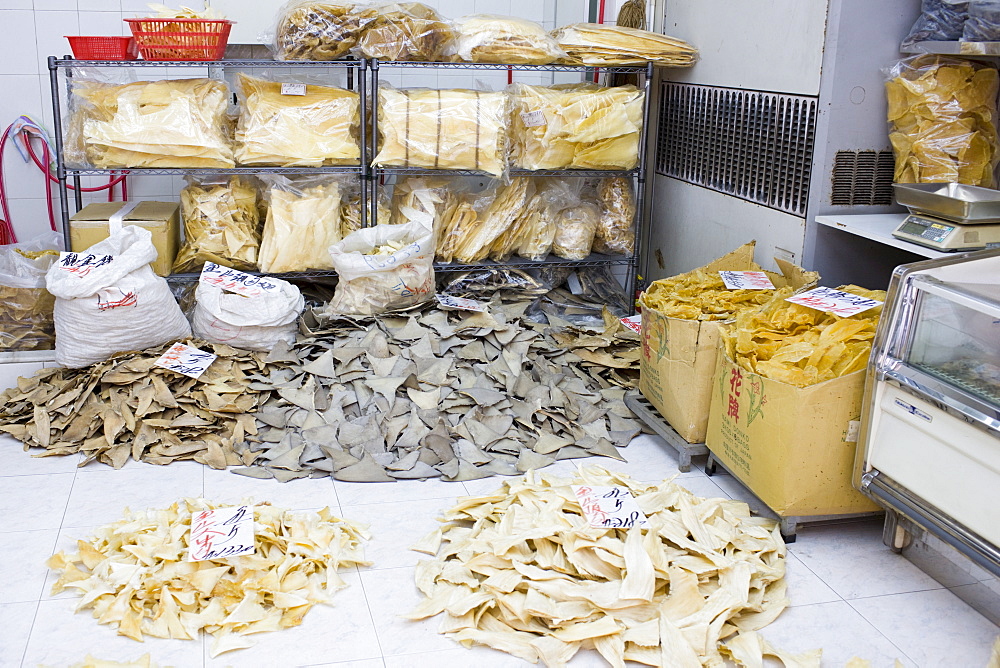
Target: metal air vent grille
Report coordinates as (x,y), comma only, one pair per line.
(862,178)
(750,144)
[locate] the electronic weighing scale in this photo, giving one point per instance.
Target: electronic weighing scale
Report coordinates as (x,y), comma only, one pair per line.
(949,216)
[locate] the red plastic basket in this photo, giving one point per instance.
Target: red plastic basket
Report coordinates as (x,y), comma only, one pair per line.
(181,39)
(103,48)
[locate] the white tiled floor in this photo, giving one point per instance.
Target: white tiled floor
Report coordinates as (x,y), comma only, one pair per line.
(850,595)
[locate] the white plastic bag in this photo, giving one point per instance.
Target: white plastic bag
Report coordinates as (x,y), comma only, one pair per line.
(383,268)
(108,300)
(256,322)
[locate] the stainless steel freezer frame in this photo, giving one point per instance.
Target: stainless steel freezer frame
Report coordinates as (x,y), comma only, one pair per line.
(929,449)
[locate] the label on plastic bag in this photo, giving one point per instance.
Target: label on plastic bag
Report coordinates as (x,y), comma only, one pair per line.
(610,507)
(746,280)
(81,264)
(293,89)
(239,282)
(186,360)
(461,303)
(633,322)
(221,533)
(533,119)
(837,302)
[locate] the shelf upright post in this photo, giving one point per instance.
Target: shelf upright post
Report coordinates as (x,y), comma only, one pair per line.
(365,171)
(373,172)
(641,210)
(60,166)
(78,192)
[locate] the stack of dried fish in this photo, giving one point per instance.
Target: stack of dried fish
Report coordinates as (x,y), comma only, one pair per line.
(594,44)
(613,353)
(456,395)
(25,305)
(522,571)
(135,576)
(129,407)
(221,224)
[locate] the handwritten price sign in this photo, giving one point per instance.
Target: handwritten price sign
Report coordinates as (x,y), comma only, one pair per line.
(239,282)
(460,303)
(837,302)
(610,507)
(186,360)
(633,322)
(746,280)
(221,533)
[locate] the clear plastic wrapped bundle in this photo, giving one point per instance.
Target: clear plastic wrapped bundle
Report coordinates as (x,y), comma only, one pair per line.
(580,126)
(318,29)
(303,221)
(596,44)
(25,305)
(575,231)
(457,223)
(941,115)
(939,21)
(296,125)
(495,221)
(350,209)
(180,123)
(983,23)
(405,31)
(221,224)
(442,129)
(615,229)
(487,38)
(424,200)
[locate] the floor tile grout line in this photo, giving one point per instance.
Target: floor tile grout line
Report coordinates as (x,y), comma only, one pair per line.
(898,593)
(817,576)
(371,616)
(27,640)
(879,631)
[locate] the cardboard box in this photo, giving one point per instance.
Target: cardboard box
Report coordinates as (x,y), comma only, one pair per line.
(792,446)
(679,356)
(90,225)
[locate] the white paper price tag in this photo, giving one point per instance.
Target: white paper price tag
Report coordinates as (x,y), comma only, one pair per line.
(633,322)
(746,280)
(533,119)
(293,89)
(186,360)
(221,533)
(239,282)
(461,303)
(610,507)
(837,302)
(82,264)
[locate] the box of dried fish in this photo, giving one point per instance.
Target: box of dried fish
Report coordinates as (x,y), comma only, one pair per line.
(680,334)
(787,388)
(442,129)
(487,38)
(578,126)
(179,123)
(526,571)
(25,304)
(90,225)
(405,31)
(306,126)
(221,223)
(303,220)
(383,268)
(319,29)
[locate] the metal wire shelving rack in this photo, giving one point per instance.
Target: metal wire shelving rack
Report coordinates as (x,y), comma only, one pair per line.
(363,76)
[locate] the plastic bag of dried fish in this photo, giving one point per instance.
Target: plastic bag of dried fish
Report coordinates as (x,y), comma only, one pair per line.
(383,268)
(251,323)
(575,230)
(487,38)
(303,220)
(484,283)
(318,29)
(615,229)
(496,225)
(405,31)
(221,224)
(108,299)
(25,304)
(313,127)
(351,219)
(425,200)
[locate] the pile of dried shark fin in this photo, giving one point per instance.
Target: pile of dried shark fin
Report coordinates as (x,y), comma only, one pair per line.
(129,407)
(522,571)
(434,393)
(612,355)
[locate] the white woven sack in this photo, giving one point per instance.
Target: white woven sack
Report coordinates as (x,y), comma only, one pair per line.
(116,307)
(368,284)
(251,323)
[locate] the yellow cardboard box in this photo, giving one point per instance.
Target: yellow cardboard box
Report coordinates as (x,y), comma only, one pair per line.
(678,356)
(792,446)
(90,225)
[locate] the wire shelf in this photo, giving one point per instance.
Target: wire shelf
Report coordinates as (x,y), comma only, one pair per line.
(234,62)
(519,68)
(416,171)
(288,276)
(170,171)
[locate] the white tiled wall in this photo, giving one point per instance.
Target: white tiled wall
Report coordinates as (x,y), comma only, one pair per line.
(35,29)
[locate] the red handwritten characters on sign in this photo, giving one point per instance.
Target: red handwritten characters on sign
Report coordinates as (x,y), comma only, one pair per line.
(735,384)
